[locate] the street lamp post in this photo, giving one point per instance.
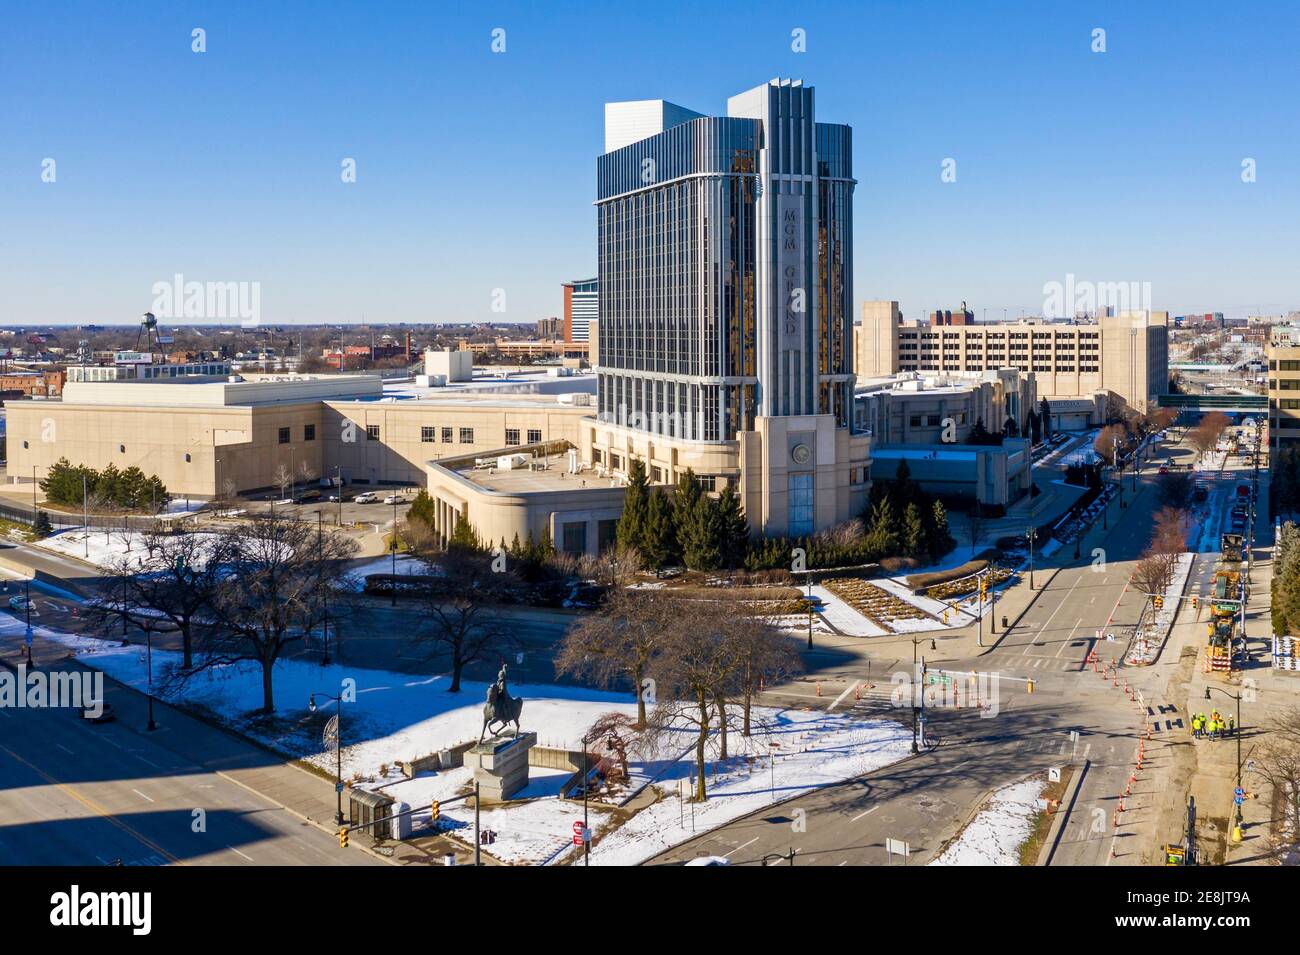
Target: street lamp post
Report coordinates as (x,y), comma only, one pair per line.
(320,541)
(1119,471)
(338,750)
(810,608)
(1236,732)
(393,587)
(148,656)
(1029,536)
(27,604)
(918,688)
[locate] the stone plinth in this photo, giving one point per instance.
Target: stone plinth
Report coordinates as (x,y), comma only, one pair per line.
(501,765)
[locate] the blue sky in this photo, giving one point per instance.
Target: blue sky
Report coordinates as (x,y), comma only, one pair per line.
(475,170)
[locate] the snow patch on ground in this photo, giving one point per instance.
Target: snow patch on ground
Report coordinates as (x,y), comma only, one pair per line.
(996,833)
(398,717)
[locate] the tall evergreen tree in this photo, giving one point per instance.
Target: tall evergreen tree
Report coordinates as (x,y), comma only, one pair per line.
(631,528)
(1045,418)
(941,539)
(914,543)
(979,434)
(884,530)
(735,529)
(464,539)
(658,536)
(703,547)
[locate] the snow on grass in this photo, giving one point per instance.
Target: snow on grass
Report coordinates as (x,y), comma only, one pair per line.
(406,564)
(396,716)
(996,833)
(102,549)
(814,749)
(399,717)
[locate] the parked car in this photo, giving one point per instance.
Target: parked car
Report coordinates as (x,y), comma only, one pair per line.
(365,497)
(105,713)
(19,603)
(1164,469)
(392,499)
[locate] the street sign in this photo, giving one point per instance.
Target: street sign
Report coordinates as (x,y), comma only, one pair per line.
(1054,775)
(338,787)
(897,847)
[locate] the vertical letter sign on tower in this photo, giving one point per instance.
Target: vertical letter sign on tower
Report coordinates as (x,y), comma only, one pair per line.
(793,289)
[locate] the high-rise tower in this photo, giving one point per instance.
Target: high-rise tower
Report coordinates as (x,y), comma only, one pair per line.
(726,289)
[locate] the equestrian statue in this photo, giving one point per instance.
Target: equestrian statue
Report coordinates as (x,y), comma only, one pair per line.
(500,707)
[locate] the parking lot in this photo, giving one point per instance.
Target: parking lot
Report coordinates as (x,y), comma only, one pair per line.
(370,509)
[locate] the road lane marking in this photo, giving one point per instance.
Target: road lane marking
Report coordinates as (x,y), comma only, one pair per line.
(725,855)
(861,814)
(250,858)
(847,690)
(141,795)
(1070,639)
(1043,628)
(65,749)
(93,807)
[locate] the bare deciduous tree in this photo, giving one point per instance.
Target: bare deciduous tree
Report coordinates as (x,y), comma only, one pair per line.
(462,621)
(275,589)
(621,642)
(175,582)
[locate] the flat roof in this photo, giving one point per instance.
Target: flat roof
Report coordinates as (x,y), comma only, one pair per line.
(555,476)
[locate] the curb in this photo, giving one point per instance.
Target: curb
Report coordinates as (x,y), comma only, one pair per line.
(1057,830)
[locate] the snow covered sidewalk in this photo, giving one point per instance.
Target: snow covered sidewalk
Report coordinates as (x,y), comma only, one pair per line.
(844,618)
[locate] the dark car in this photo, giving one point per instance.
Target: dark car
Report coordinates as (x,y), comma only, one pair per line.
(105,715)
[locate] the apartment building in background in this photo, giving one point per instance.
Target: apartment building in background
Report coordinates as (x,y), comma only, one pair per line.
(1126,354)
(581,306)
(1284,387)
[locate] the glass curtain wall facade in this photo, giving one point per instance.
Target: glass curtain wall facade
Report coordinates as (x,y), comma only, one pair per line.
(725,250)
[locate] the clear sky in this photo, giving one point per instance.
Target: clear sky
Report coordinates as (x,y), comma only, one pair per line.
(475,169)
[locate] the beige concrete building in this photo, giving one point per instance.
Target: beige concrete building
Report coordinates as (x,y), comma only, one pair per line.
(522,495)
(204,436)
(1283,388)
(875,340)
(1127,354)
(916,408)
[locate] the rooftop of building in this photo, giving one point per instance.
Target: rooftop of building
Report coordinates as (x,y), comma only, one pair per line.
(914,383)
(221,391)
(530,471)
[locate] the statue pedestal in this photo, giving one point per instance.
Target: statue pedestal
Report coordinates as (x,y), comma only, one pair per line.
(501,765)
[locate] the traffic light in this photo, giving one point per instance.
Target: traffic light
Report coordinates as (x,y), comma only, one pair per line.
(1196,603)
(343,837)
(1159,601)
(434,810)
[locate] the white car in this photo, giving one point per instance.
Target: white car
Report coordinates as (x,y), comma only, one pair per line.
(365,498)
(392,499)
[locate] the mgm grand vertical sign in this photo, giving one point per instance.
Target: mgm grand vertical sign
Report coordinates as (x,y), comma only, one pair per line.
(790,272)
